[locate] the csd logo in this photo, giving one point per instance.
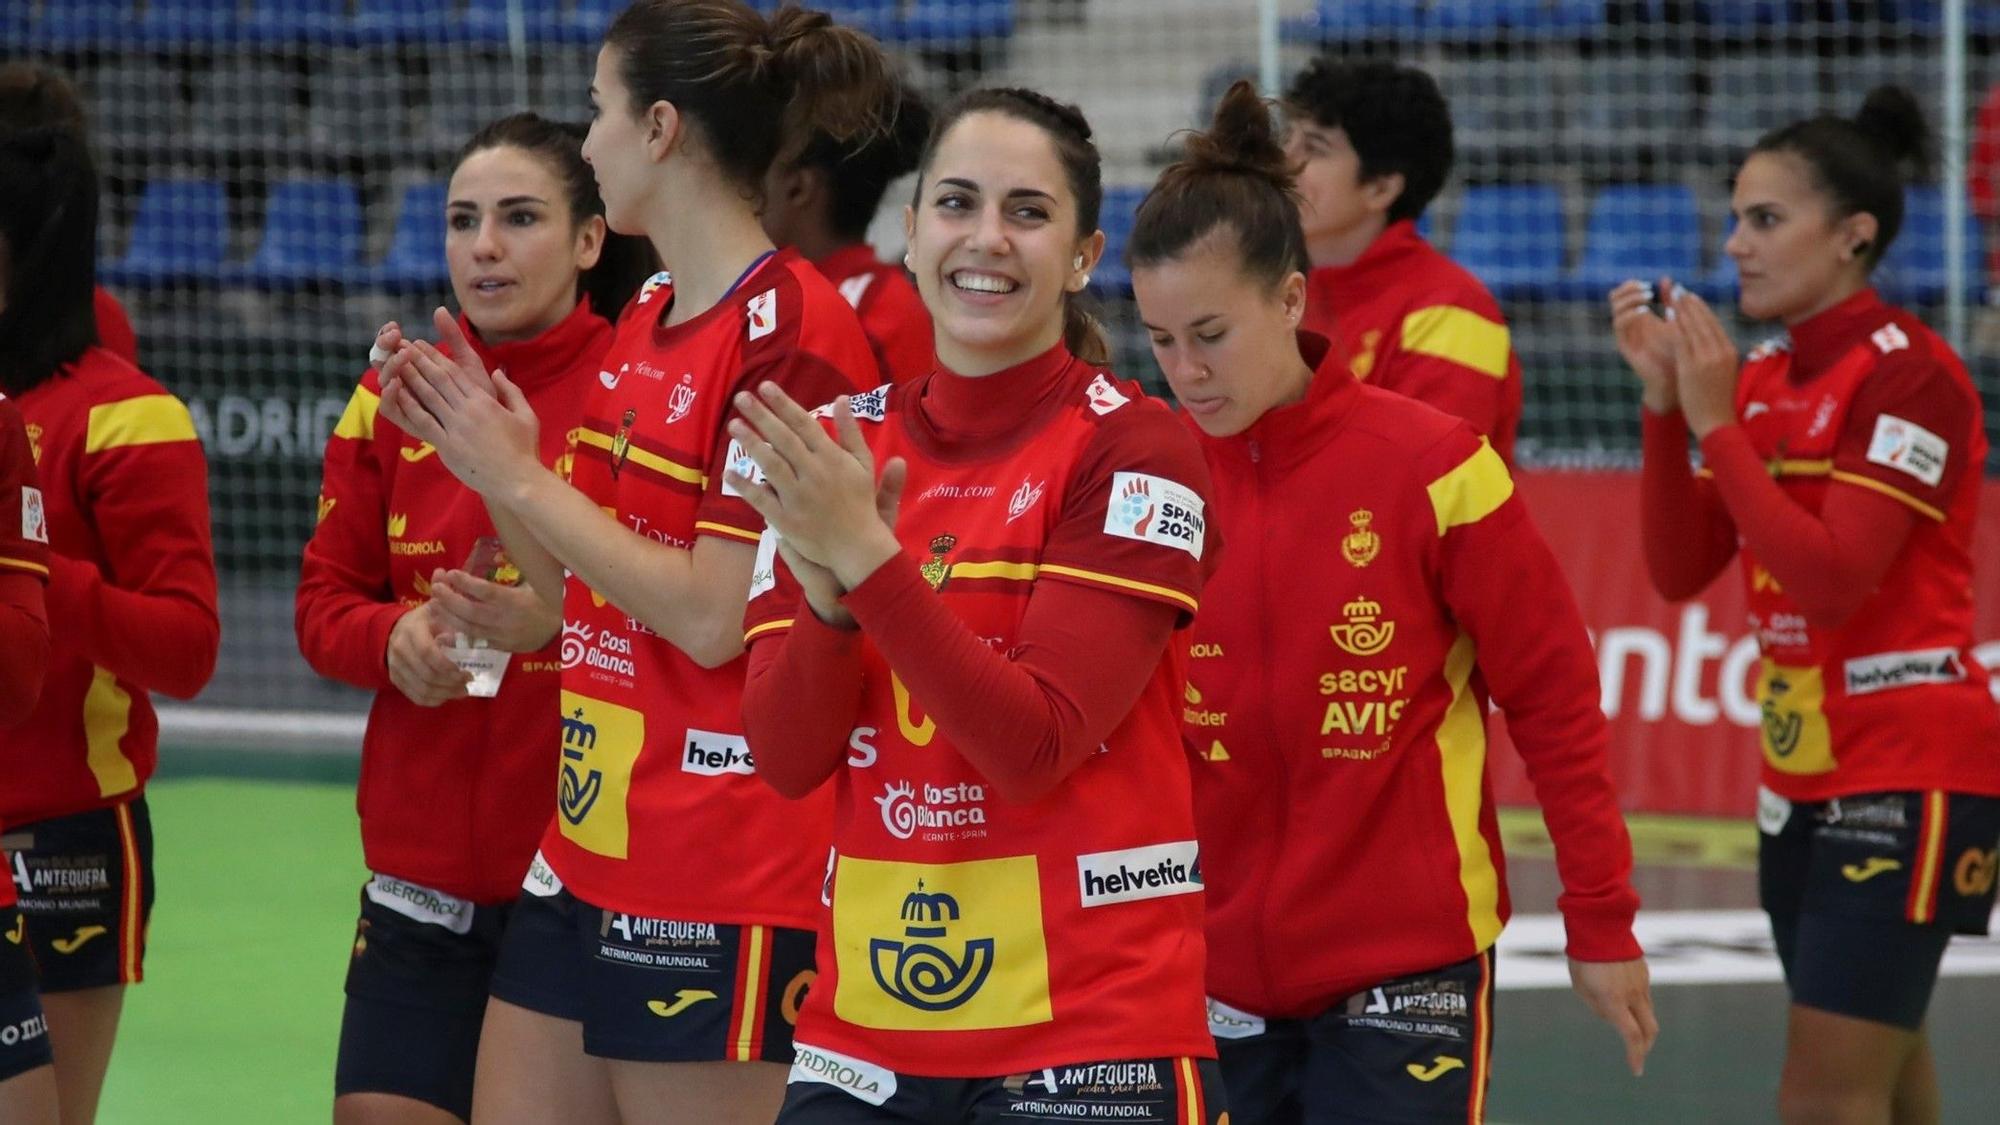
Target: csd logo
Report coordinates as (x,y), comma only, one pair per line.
(1975,872)
(922,972)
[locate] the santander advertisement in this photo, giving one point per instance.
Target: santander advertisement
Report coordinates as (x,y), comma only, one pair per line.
(1678,680)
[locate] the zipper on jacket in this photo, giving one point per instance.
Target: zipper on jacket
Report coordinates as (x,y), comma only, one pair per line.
(1268,742)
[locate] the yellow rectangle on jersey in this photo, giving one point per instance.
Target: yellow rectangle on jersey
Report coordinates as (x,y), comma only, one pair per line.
(600,745)
(145,420)
(1472,491)
(358,420)
(1459,335)
(1794,731)
(939,946)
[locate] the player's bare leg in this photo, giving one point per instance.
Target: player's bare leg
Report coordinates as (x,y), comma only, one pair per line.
(532,1069)
(83,1027)
(1840,1070)
(716,1093)
(389,1109)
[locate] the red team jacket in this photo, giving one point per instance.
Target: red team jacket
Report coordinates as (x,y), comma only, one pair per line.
(452,797)
(891,312)
(131,579)
(1415,322)
(660,811)
(114,328)
(1864,394)
(1383,581)
(24,549)
(966,934)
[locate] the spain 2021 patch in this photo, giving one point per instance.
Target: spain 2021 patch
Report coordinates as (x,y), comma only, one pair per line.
(1909,448)
(1156,510)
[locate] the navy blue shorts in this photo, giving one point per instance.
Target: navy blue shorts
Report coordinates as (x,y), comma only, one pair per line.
(829,1088)
(656,989)
(24,1033)
(86,888)
(416,994)
(1865,891)
(1414,1049)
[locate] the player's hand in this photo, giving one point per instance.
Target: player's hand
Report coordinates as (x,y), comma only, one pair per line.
(418,666)
(1646,341)
(513,618)
(1620,993)
(822,590)
(821,494)
(388,341)
(1705,364)
(481,424)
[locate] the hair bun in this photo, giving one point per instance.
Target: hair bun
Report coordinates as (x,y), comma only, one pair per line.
(1892,119)
(1241,138)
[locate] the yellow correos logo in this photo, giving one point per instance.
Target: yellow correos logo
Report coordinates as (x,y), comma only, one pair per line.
(1440,1066)
(940,947)
(1793,729)
(1363,633)
(600,744)
(1869,868)
(76,941)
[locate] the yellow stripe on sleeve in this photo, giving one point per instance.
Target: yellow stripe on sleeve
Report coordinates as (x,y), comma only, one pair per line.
(768,627)
(145,420)
(1459,335)
(1472,491)
(1461,741)
(737,533)
(639,456)
(1888,490)
(358,420)
(1113,580)
(24,564)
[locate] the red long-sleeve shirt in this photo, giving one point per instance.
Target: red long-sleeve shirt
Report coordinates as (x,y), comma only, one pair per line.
(892,315)
(452,797)
(1413,321)
(114,328)
(1383,580)
(1039,855)
(24,568)
(131,585)
(1851,479)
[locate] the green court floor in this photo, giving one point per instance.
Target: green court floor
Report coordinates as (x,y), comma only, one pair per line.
(237,1019)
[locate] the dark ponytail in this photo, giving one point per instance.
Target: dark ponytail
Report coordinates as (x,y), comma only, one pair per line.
(1233,175)
(626,260)
(1069,132)
(48,225)
(1862,163)
(751,85)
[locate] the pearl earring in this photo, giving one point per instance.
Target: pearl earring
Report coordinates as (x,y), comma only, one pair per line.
(1078,263)
(907,263)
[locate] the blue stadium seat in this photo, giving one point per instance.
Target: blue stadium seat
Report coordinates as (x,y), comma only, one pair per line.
(1913,270)
(416,251)
(953,23)
(78,25)
(297,21)
(1511,237)
(313,231)
(189,23)
(1637,230)
(180,233)
(1484,19)
(1332,20)
(484,22)
(1740,14)
(585,23)
(1121,206)
(405,21)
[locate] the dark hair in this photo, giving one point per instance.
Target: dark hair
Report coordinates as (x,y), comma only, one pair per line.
(750,84)
(1234,175)
(48,222)
(1069,131)
(37,97)
(1861,163)
(625,261)
(859,170)
(1394,116)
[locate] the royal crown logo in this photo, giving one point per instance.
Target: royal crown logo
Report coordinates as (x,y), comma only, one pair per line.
(399,524)
(921,970)
(1363,633)
(1360,545)
(621,442)
(937,571)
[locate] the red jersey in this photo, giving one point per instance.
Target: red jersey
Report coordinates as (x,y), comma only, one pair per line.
(114,329)
(967,935)
(24,550)
(891,312)
(1865,394)
(1383,580)
(1413,321)
(453,797)
(660,811)
(131,579)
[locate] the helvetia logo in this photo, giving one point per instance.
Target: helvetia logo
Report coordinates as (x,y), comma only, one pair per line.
(1136,874)
(712,754)
(921,971)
